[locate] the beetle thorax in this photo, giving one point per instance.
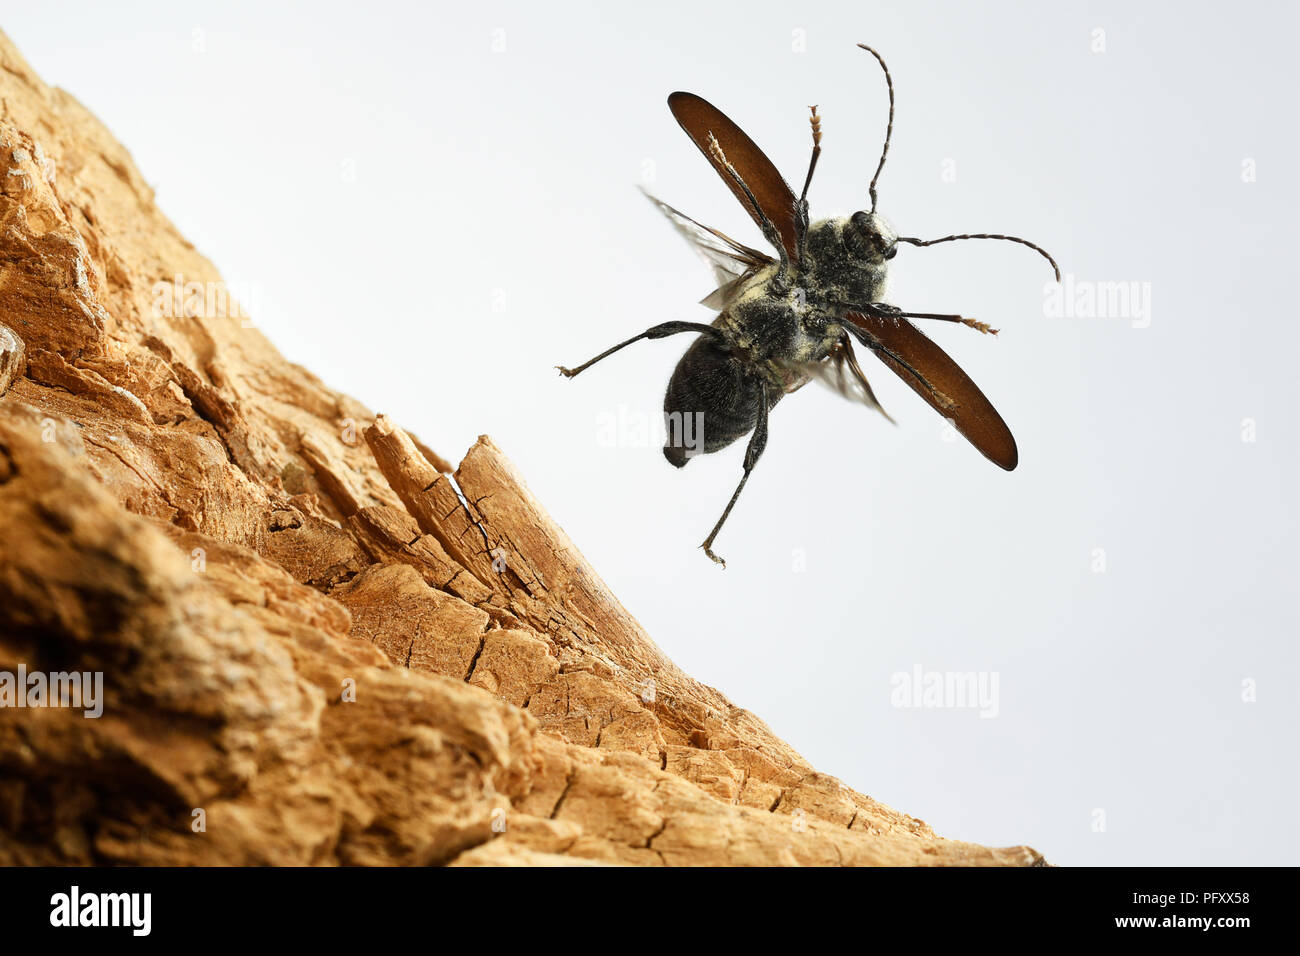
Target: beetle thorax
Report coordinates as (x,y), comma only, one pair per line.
(846,260)
(780,323)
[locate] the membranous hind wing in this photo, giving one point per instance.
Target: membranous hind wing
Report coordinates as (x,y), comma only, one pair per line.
(732,262)
(933,375)
(699,118)
(842,373)
(839,371)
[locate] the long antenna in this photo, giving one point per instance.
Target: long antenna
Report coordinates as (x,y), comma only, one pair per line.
(889,130)
(1024,242)
(816,122)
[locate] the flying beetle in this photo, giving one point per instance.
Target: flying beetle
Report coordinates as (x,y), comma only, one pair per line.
(785,321)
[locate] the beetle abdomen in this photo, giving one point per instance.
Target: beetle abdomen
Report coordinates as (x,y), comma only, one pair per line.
(712,400)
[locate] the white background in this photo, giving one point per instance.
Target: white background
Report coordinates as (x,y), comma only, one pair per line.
(383,178)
